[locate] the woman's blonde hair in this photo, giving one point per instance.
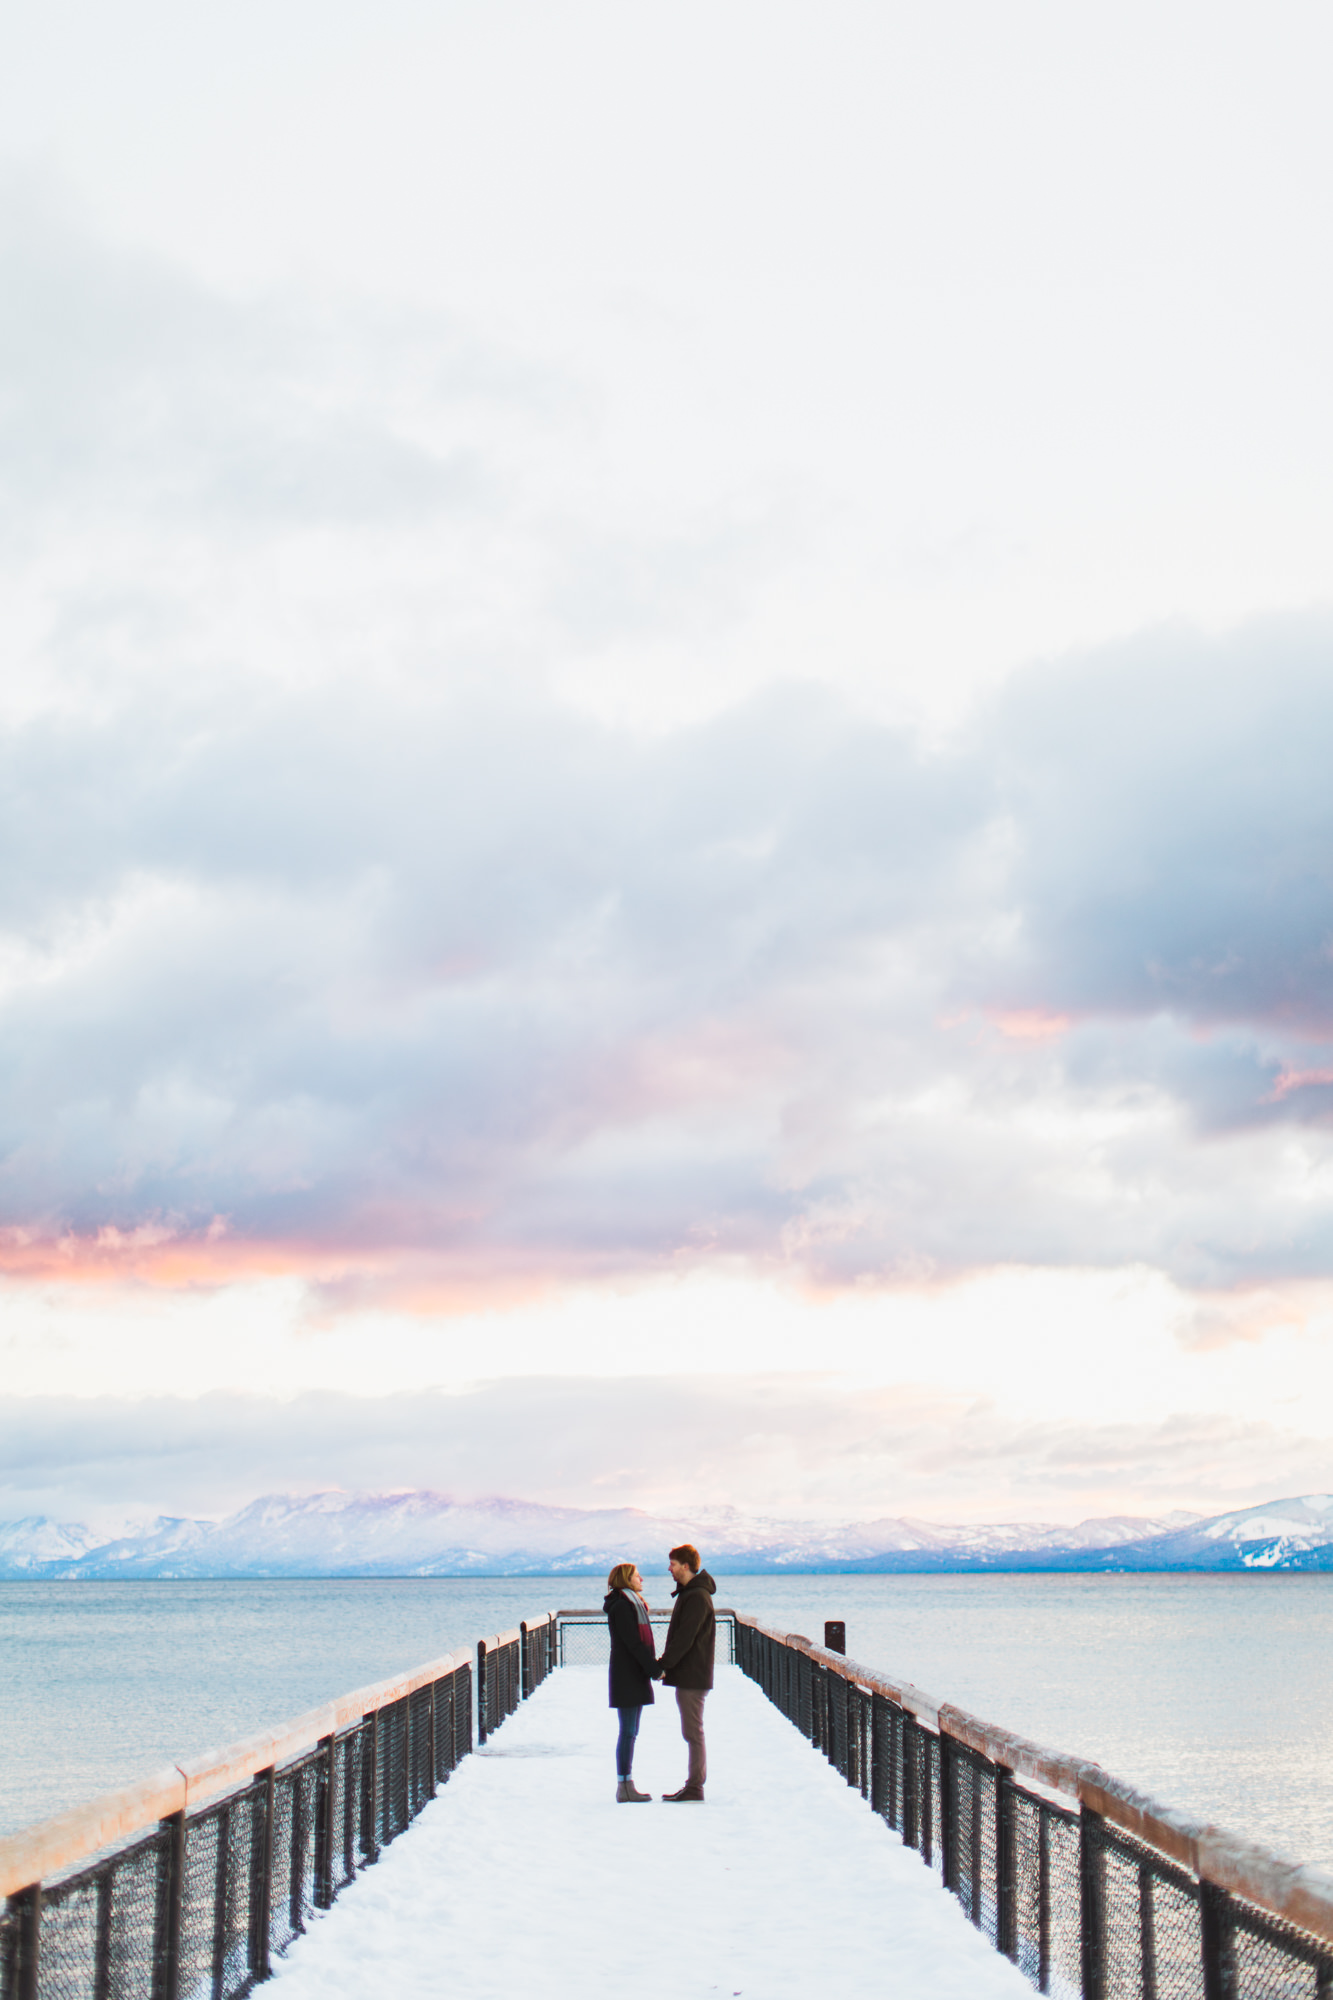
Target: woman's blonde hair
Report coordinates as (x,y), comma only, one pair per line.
(619,1578)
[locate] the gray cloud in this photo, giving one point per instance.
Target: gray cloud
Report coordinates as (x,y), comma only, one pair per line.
(1175,828)
(476,977)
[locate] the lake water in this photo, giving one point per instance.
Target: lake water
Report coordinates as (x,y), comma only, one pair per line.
(1214,1693)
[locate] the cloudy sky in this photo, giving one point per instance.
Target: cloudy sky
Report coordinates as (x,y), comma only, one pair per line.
(665,739)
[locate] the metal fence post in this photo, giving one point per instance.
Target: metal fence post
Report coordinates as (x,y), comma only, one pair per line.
(370,1790)
(1044,1902)
(1006,1863)
(28,1942)
(976,1787)
(1092,1905)
(167,1915)
(261,1874)
(296,1856)
(867,1743)
(404,1800)
(481,1692)
(881,1726)
(1218,1930)
(102,1939)
(948,1814)
(324,1822)
(911,1787)
(352,1790)
(221,1909)
(1148,1935)
(853,1772)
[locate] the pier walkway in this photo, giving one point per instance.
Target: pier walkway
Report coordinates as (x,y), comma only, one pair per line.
(524,1875)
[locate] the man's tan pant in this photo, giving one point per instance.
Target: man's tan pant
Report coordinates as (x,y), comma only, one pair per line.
(690,1702)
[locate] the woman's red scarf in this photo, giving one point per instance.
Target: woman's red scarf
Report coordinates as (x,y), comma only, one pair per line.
(645,1622)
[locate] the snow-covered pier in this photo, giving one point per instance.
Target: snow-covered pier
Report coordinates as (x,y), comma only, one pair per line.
(524,1875)
(926,1851)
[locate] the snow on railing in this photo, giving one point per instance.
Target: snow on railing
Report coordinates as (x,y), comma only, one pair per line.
(1106,1894)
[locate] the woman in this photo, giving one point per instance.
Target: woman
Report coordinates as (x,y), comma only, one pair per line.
(633,1670)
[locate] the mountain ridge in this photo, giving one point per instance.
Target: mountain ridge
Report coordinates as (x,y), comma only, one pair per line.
(419,1532)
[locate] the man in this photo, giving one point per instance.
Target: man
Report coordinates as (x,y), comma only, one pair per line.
(687,1662)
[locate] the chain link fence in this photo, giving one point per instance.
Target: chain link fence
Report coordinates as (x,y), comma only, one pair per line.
(583,1638)
(1082,1907)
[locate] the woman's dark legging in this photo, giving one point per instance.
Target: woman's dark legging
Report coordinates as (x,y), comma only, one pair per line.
(629,1729)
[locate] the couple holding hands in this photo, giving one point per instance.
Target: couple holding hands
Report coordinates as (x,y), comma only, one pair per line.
(686,1665)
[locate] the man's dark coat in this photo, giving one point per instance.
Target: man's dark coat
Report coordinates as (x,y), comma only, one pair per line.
(687,1657)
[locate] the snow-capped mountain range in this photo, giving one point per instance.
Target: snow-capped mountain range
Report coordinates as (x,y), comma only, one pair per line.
(428,1534)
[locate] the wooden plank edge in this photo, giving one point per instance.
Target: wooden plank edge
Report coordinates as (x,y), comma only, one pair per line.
(498,1639)
(1052,1769)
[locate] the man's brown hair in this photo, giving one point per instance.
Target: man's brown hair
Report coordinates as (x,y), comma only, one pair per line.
(687,1553)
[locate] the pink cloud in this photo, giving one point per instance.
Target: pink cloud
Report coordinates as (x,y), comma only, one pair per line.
(1032,1024)
(1297,1079)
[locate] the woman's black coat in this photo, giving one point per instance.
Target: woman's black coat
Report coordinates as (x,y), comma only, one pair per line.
(631,1661)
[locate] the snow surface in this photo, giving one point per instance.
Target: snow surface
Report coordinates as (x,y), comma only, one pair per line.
(524,1875)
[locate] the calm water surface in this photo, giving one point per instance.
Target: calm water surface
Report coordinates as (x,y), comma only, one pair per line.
(1215,1693)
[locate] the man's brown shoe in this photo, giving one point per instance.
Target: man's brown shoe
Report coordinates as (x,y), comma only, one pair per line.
(683,1797)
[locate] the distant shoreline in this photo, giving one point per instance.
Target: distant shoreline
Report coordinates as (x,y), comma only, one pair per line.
(720,1570)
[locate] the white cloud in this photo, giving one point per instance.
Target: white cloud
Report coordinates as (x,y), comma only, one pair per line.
(1014,1394)
(804,1446)
(1015,325)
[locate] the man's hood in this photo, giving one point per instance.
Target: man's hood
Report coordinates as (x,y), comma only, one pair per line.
(703,1581)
